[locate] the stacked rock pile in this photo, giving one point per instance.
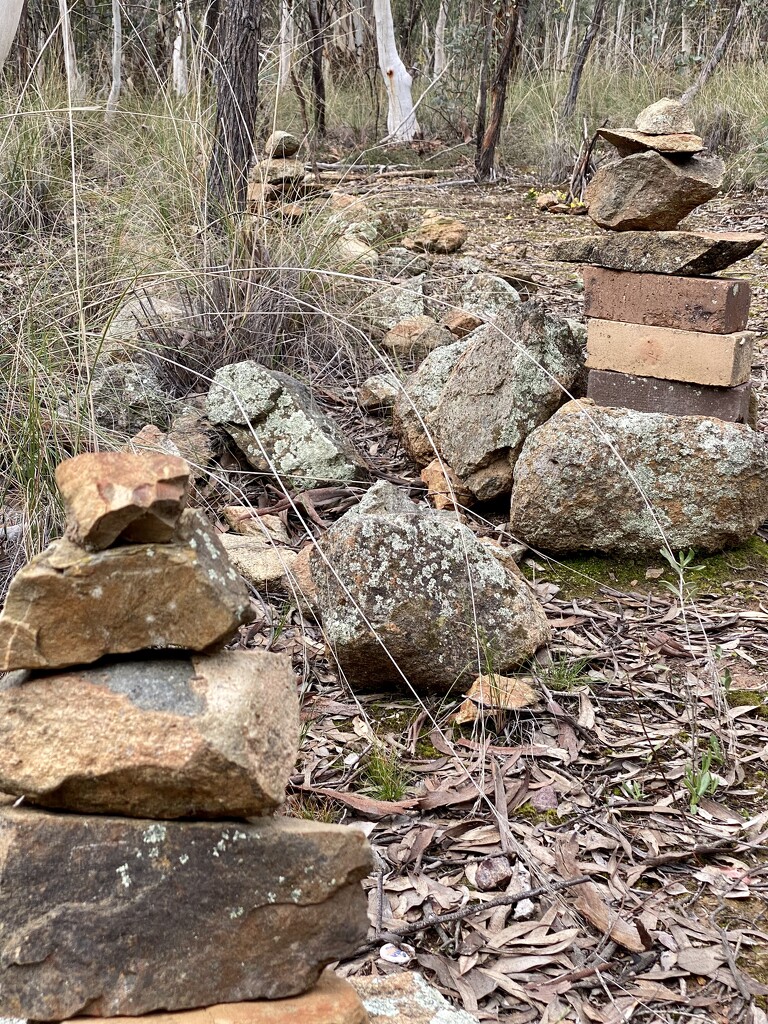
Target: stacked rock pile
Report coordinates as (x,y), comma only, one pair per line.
(167,885)
(663,335)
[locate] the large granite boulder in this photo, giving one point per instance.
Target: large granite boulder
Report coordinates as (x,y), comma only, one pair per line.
(411,596)
(105,916)
(626,482)
(511,378)
(197,737)
(69,606)
(420,396)
(687,253)
(650,192)
(274,421)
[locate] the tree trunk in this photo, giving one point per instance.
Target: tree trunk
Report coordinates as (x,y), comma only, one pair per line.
(717,54)
(180,46)
(316,44)
(237,99)
(508,57)
(75,88)
(402,125)
(481,106)
(9,22)
(442,19)
(286,45)
(117,60)
(569,103)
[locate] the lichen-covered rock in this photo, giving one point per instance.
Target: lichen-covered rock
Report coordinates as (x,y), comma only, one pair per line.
(398,262)
(650,192)
(379,392)
(127,395)
(416,337)
(106,916)
(419,397)
(488,296)
(274,421)
(625,482)
(437,233)
(281,145)
(510,379)
(69,606)
(387,306)
(665,117)
(181,737)
(408,595)
(262,562)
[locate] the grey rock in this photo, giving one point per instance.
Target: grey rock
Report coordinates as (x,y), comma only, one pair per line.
(411,594)
(688,253)
(194,736)
(406,998)
(104,916)
(379,392)
(416,337)
(488,296)
(388,305)
(420,397)
(275,422)
(281,145)
(665,117)
(650,192)
(399,262)
(704,482)
(510,379)
(125,396)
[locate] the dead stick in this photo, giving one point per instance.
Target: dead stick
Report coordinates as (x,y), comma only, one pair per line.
(431,920)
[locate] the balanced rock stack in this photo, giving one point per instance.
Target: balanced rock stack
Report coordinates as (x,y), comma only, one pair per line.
(663,335)
(168,885)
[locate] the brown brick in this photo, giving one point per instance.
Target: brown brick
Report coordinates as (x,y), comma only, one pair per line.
(722,360)
(711,304)
(675,398)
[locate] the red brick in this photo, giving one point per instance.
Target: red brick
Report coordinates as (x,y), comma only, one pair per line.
(675,398)
(711,304)
(722,360)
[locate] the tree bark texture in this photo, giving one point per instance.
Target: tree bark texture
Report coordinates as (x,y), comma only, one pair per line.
(569,103)
(402,125)
(316,45)
(9,22)
(508,57)
(717,54)
(117,59)
(237,99)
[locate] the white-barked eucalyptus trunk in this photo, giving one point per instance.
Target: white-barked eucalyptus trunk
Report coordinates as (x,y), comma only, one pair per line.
(402,125)
(10,12)
(117,59)
(287,37)
(179,61)
(75,84)
(442,19)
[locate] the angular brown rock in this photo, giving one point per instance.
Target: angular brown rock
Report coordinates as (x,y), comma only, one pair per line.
(437,233)
(715,305)
(200,737)
(259,560)
(672,397)
(332,1001)
(461,323)
(649,192)
(688,253)
(118,495)
(665,117)
(416,337)
(444,489)
(628,142)
(105,916)
(69,606)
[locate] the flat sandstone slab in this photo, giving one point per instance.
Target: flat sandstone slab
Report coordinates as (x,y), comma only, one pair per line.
(672,397)
(332,1001)
(722,360)
(688,253)
(200,737)
(69,606)
(121,917)
(714,305)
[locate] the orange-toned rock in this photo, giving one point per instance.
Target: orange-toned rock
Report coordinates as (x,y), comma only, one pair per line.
(444,489)
(437,233)
(417,336)
(461,323)
(331,1001)
(122,495)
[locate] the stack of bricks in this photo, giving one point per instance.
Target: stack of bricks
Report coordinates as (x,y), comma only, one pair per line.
(668,344)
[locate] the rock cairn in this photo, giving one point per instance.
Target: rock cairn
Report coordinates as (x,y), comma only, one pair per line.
(168,885)
(663,335)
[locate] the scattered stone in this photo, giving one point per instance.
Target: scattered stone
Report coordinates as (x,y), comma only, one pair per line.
(131,320)
(117,495)
(398,262)
(291,213)
(183,594)
(715,305)
(629,142)
(422,584)
(461,323)
(691,254)
(649,192)
(125,396)
(509,380)
(261,195)
(332,1001)
(281,145)
(444,489)
(488,296)
(437,233)
(248,522)
(665,117)
(491,694)
(493,873)
(261,562)
(200,912)
(387,306)
(407,999)
(416,337)
(190,437)
(275,422)
(191,737)
(672,397)
(349,250)
(420,397)
(706,482)
(721,360)
(278,172)
(379,392)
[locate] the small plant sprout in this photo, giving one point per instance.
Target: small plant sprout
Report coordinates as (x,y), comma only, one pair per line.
(386,776)
(700,781)
(683,569)
(632,790)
